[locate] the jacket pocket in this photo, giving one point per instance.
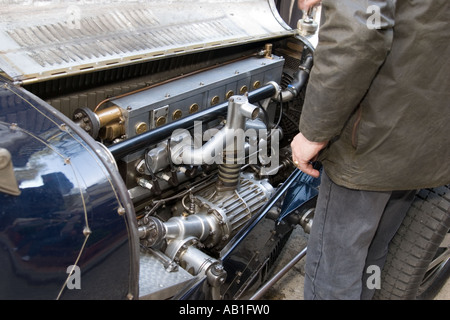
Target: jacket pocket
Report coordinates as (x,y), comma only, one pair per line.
(355,129)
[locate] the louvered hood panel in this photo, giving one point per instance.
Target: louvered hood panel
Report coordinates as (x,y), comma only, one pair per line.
(40,40)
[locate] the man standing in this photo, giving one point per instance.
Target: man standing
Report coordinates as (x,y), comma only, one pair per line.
(376,114)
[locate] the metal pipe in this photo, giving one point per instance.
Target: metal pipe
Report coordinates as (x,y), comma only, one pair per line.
(239,110)
(261,291)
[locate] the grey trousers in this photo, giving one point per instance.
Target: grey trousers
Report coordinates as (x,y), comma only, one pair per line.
(349,240)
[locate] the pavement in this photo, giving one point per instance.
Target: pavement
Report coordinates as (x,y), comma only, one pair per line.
(290,286)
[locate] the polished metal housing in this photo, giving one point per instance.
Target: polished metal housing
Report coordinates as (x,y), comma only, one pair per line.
(45,40)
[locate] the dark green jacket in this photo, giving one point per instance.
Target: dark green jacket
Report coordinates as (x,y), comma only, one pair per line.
(382,96)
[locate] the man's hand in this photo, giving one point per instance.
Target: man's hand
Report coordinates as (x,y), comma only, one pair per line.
(306,4)
(304,152)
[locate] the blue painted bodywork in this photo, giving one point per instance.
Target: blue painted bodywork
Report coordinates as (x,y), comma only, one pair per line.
(303,190)
(67,212)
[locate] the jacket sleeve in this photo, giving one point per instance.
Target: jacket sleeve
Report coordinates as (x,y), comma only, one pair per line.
(354,39)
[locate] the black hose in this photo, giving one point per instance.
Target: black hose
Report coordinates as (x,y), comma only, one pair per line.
(301,76)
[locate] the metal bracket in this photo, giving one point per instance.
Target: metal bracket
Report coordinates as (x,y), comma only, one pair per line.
(159,116)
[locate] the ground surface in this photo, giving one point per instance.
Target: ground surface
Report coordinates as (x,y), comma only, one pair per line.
(290,287)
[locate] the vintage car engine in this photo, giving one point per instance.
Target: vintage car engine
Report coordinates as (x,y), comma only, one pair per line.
(213,211)
(198,188)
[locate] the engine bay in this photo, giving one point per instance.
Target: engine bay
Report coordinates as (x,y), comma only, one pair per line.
(194,190)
